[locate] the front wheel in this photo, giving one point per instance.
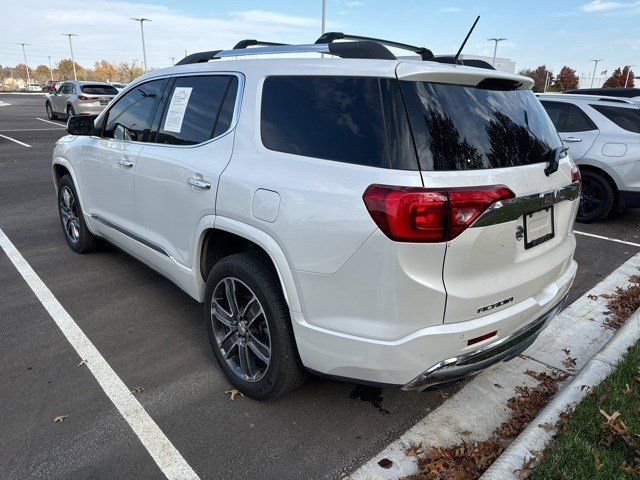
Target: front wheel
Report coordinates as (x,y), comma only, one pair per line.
(76,233)
(597,197)
(250,329)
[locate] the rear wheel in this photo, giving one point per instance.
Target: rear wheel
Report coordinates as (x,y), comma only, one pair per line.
(50,114)
(249,327)
(76,233)
(597,197)
(70,111)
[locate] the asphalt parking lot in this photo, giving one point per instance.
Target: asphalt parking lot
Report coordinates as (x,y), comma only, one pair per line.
(152,334)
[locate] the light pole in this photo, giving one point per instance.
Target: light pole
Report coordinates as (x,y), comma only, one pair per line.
(24,54)
(144,49)
(173,60)
(50,70)
(73,60)
(324,16)
(595,65)
(495,48)
(626,82)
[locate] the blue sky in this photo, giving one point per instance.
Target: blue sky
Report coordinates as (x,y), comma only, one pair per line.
(539,32)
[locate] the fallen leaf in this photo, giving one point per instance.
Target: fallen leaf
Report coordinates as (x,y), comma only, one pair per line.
(547,427)
(59,418)
(497,385)
(627,389)
(385,463)
(598,463)
(566,351)
(233,392)
(442,394)
(137,390)
(592,297)
(83,362)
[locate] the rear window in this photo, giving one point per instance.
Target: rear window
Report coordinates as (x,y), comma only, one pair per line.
(358,120)
(627,118)
(457,127)
(99,90)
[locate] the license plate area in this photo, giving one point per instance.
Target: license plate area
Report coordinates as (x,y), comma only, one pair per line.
(104,102)
(538,227)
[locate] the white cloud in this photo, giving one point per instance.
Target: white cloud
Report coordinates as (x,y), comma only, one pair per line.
(450,10)
(105,30)
(601,6)
(354,3)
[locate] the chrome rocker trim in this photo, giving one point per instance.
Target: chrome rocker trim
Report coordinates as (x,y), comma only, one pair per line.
(512,209)
(454,369)
(130,234)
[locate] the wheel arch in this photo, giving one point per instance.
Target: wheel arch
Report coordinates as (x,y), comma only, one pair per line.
(225,236)
(61,166)
(605,172)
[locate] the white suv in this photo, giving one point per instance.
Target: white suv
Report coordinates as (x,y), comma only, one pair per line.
(394,222)
(603,137)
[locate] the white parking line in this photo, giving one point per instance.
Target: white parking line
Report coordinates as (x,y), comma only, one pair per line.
(607,238)
(49,121)
(16,141)
(166,456)
(27,129)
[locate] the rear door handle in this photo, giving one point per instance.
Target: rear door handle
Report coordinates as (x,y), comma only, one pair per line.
(125,162)
(573,139)
(199,183)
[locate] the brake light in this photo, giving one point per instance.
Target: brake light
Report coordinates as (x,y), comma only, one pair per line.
(575,175)
(416,214)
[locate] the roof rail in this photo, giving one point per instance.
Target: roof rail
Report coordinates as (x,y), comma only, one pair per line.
(330,37)
(251,43)
(199,57)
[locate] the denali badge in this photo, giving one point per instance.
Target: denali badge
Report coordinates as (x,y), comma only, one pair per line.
(495,305)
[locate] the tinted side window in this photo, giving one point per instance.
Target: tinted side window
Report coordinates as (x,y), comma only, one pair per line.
(194,106)
(568,118)
(627,118)
(357,120)
(130,117)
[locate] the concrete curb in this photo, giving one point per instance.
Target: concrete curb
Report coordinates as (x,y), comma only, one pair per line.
(534,439)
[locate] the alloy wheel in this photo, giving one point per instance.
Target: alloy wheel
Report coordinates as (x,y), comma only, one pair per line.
(592,198)
(69,214)
(240,329)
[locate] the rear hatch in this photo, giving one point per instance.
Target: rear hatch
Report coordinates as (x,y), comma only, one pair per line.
(97,94)
(473,131)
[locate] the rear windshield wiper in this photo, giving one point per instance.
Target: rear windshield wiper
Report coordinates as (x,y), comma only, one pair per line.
(554,156)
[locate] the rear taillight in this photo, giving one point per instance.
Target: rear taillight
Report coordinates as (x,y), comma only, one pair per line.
(416,214)
(575,175)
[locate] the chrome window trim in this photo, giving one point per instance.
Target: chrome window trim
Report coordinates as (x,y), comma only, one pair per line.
(513,208)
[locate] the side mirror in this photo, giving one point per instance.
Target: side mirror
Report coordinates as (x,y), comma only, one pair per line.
(81,125)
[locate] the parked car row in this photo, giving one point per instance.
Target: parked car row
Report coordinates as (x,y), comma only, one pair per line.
(603,137)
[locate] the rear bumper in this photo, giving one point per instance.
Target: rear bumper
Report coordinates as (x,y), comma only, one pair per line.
(81,109)
(457,368)
(401,362)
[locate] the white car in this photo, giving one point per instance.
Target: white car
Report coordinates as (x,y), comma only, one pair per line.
(394,222)
(34,87)
(603,137)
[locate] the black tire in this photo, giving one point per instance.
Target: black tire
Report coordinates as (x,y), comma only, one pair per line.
(70,111)
(74,228)
(284,371)
(597,197)
(50,114)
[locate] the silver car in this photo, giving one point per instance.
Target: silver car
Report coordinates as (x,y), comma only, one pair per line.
(603,136)
(79,98)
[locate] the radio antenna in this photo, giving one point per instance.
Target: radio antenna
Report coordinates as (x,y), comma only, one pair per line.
(455,59)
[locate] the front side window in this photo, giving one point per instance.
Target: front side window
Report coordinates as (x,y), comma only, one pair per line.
(459,127)
(198,109)
(357,120)
(627,118)
(568,118)
(130,117)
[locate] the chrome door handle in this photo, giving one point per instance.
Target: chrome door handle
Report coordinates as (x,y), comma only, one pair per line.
(573,139)
(123,162)
(199,183)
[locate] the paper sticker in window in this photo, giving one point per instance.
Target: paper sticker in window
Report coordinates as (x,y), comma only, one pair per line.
(177,109)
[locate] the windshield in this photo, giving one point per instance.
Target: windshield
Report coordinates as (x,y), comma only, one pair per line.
(457,127)
(99,90)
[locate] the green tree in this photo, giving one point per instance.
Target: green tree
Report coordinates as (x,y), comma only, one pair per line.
(566,80)
(65,68)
